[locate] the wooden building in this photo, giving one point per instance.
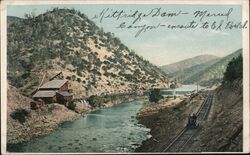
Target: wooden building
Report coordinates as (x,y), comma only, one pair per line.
(54,91)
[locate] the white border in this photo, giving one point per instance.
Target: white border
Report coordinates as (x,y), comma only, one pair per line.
(245,41)
(246,62)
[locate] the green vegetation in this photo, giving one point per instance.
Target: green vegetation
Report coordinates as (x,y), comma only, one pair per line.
(205,72)
(155,95)
(20,115)
(71,105)
(60,38)
(234,69)
(95,101)
(193,95)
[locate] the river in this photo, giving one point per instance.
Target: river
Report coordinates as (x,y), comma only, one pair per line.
(183,90)
(113,129)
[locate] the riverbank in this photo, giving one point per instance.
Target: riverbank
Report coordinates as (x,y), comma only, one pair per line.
(44,120)
(166,119)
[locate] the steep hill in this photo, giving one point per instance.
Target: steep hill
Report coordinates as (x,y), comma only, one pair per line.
(184,75)
(92,60)
(206,72)
(213,73)
(223,131)
(187,63)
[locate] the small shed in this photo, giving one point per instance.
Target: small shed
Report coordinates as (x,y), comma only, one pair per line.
(63,97)
(46,95)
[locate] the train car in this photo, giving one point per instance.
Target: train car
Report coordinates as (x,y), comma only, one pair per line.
(192,121)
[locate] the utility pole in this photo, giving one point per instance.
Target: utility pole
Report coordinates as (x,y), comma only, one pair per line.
(197,86)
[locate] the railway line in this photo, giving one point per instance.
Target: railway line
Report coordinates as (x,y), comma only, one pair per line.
(179,142)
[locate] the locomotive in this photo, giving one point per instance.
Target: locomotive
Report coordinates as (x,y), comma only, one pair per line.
(192,121)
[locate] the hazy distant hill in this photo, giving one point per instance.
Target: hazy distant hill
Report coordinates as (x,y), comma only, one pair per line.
(187,63)
(186,74)
(210,72)
(12,19)
(214,73)
(66,40)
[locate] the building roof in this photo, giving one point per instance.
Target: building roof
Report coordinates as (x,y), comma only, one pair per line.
(64,93)
(53,84)
(44,93)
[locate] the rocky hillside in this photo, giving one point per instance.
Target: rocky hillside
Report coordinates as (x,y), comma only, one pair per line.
(92,60)
(24,123)
(187,63)
(206,73)
(223,131)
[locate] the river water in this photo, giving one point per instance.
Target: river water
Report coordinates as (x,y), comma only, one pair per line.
(183,90)
(113,129)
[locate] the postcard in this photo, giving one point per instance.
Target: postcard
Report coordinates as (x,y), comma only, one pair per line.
(129,77)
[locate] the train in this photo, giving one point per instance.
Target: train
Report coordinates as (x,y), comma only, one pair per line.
(192,121)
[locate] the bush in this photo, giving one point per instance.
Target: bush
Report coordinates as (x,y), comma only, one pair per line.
(71,105)
(155,95)
(95,101)
(193,95)
(78,80)
(20,115)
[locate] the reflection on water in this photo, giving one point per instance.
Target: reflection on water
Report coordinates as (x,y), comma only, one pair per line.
(113,129)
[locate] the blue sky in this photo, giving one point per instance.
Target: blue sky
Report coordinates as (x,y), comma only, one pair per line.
(160,46)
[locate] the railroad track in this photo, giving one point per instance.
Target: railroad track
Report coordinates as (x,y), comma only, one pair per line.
(179,142)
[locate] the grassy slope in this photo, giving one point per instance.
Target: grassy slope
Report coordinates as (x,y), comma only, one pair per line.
(66,40)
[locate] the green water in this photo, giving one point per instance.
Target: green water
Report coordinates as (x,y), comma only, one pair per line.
(113,129)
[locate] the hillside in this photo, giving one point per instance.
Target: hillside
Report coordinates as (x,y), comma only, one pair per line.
(222,131)
(184,75)
(12,19)
(94,61)
(187,63)
(206,73)
(36,123)
(213,73)
(224,127)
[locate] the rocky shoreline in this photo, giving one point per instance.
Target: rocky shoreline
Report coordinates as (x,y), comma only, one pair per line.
(43,121)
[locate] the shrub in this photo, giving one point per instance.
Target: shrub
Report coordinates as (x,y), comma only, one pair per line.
(95,100)
(71,105)
(78,80)
(193,95)
(20,115)
(155,95)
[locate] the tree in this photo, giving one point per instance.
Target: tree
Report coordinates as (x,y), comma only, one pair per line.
(234,69)
(71,105)
(155,95)
(94,100)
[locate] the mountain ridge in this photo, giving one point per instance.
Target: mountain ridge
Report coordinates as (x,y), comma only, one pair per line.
(207,73)
(186,63)
(94,61)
